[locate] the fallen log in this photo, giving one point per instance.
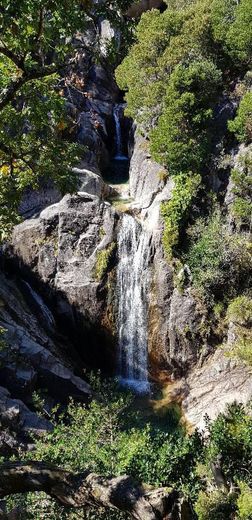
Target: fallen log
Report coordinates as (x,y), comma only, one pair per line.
(88,489)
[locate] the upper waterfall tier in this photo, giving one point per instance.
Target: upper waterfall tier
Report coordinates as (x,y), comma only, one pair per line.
(118,114)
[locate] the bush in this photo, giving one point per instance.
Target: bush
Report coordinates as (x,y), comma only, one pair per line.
(244,502)
(240,311)
(175,211)
(230,441)
(241,177)
(240,314)
(215,506)
(217,256)
(102,261)
(242,124)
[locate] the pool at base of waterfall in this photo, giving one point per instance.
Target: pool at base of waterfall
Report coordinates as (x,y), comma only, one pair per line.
(137,386)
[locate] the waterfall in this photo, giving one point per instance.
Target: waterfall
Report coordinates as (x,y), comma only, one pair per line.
(132,301)
(117,113)
(42,308)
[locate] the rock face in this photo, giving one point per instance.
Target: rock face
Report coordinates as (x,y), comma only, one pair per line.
(174,318)
(210,388)
(55,305)
(64,248)
(201,378)
(137,8)
(34,353)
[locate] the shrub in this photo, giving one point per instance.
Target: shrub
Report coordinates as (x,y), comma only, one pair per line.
(215,506)
(242,124)
(175,211)
(102,260)
(240,314)
(230,441)
(244,502)
(240,311)
(217,256)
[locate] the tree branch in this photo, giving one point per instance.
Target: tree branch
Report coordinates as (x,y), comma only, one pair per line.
(9,54)
(41,24)
(8,94)
(89,489)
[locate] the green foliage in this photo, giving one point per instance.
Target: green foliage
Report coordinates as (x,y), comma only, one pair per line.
(242,181)
(244,502)
(230,440)
(35,44)
(180,139)
(110,437)
(242,124)
(102,260)
(239,35)
(240,311)
(174,72)
(217,505)
(175,211)
(217,256)
(142,71)
(240,314)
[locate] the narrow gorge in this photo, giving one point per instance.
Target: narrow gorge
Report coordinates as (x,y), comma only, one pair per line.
(125,260)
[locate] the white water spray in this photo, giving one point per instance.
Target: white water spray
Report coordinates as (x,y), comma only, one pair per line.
(132,299)
(45,312)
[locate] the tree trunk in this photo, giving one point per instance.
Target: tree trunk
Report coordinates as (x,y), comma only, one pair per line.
(88,489)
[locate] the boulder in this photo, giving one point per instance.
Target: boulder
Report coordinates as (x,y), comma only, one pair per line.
(14,414)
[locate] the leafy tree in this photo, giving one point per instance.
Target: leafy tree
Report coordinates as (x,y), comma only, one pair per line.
(181,139)
(35,45)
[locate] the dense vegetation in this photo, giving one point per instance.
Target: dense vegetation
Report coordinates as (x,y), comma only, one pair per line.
(37,135)
(183,64)
(111,438)
(187,63)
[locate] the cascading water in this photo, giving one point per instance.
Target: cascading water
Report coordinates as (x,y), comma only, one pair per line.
(132,300)
(117,113)
(42,308)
